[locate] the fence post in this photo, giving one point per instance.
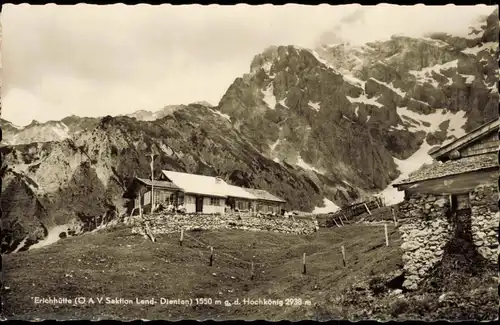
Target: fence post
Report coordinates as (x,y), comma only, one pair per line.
(386,235)
(304,263)
(149,232)
(367,210)
(343,256)
(252,271)
(182,236)
(335,222)
(211,255)
(394,217)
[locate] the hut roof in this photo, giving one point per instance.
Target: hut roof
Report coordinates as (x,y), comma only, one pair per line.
(264,195)
(453,167)
(138,182)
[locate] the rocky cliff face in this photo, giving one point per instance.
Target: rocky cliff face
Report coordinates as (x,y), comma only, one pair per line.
(348,110)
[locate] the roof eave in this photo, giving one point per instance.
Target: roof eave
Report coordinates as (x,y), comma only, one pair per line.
(439,177)
(442,151)
(269,200)
(205,194)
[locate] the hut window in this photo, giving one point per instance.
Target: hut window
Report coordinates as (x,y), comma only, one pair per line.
(147,198)
(180,198)
(243,205)
(460,201)
(214,201)
(159,196)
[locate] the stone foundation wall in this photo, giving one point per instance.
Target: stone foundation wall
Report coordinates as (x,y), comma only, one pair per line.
(425,230)
(170,223)
(484,220)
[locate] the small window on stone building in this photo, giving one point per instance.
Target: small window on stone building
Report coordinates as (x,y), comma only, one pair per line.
(460,201)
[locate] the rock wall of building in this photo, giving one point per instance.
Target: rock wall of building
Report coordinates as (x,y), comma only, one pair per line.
(484,220)
(425,230)
(171,223)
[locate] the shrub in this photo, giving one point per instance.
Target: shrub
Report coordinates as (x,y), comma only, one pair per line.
(399,307)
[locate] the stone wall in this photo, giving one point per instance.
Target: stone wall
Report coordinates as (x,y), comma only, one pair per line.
(484,220)
(171,223)
(425,230)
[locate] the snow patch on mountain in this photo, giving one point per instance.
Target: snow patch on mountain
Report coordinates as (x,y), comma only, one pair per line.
(21,245)
(51,131)
(365,100)
(391,86)
(227,117)
(391,194)
(282,103)
(328,208)
(269,97)
(436,42)
(52,237)
(273,146)
(489,46)
(437,68)
(456,127)
(354,81)
(301,163)
(420,102)
(468,78)
(346,118)
(314,105)
(397,127)
(321,60)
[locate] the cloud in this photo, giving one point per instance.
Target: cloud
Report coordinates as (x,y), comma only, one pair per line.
(95,60)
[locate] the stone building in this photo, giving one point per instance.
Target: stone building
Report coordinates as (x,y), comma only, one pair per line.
(458,191)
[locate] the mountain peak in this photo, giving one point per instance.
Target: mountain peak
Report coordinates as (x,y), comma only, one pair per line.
(34,123)
(274,53)
(204,103)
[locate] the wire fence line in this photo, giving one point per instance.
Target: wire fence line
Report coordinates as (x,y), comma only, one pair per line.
(224,255)
(221,253)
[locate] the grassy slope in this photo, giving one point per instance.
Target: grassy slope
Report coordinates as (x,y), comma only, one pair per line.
(119,264)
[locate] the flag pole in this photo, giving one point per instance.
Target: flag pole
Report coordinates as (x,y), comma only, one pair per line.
(152,155)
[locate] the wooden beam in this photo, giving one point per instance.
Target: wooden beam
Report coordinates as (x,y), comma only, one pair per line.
(455,184)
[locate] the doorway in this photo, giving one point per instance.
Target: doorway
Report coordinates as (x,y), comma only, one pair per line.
(199,204)
(461,216)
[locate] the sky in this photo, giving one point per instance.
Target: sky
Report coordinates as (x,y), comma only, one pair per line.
(91,60)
